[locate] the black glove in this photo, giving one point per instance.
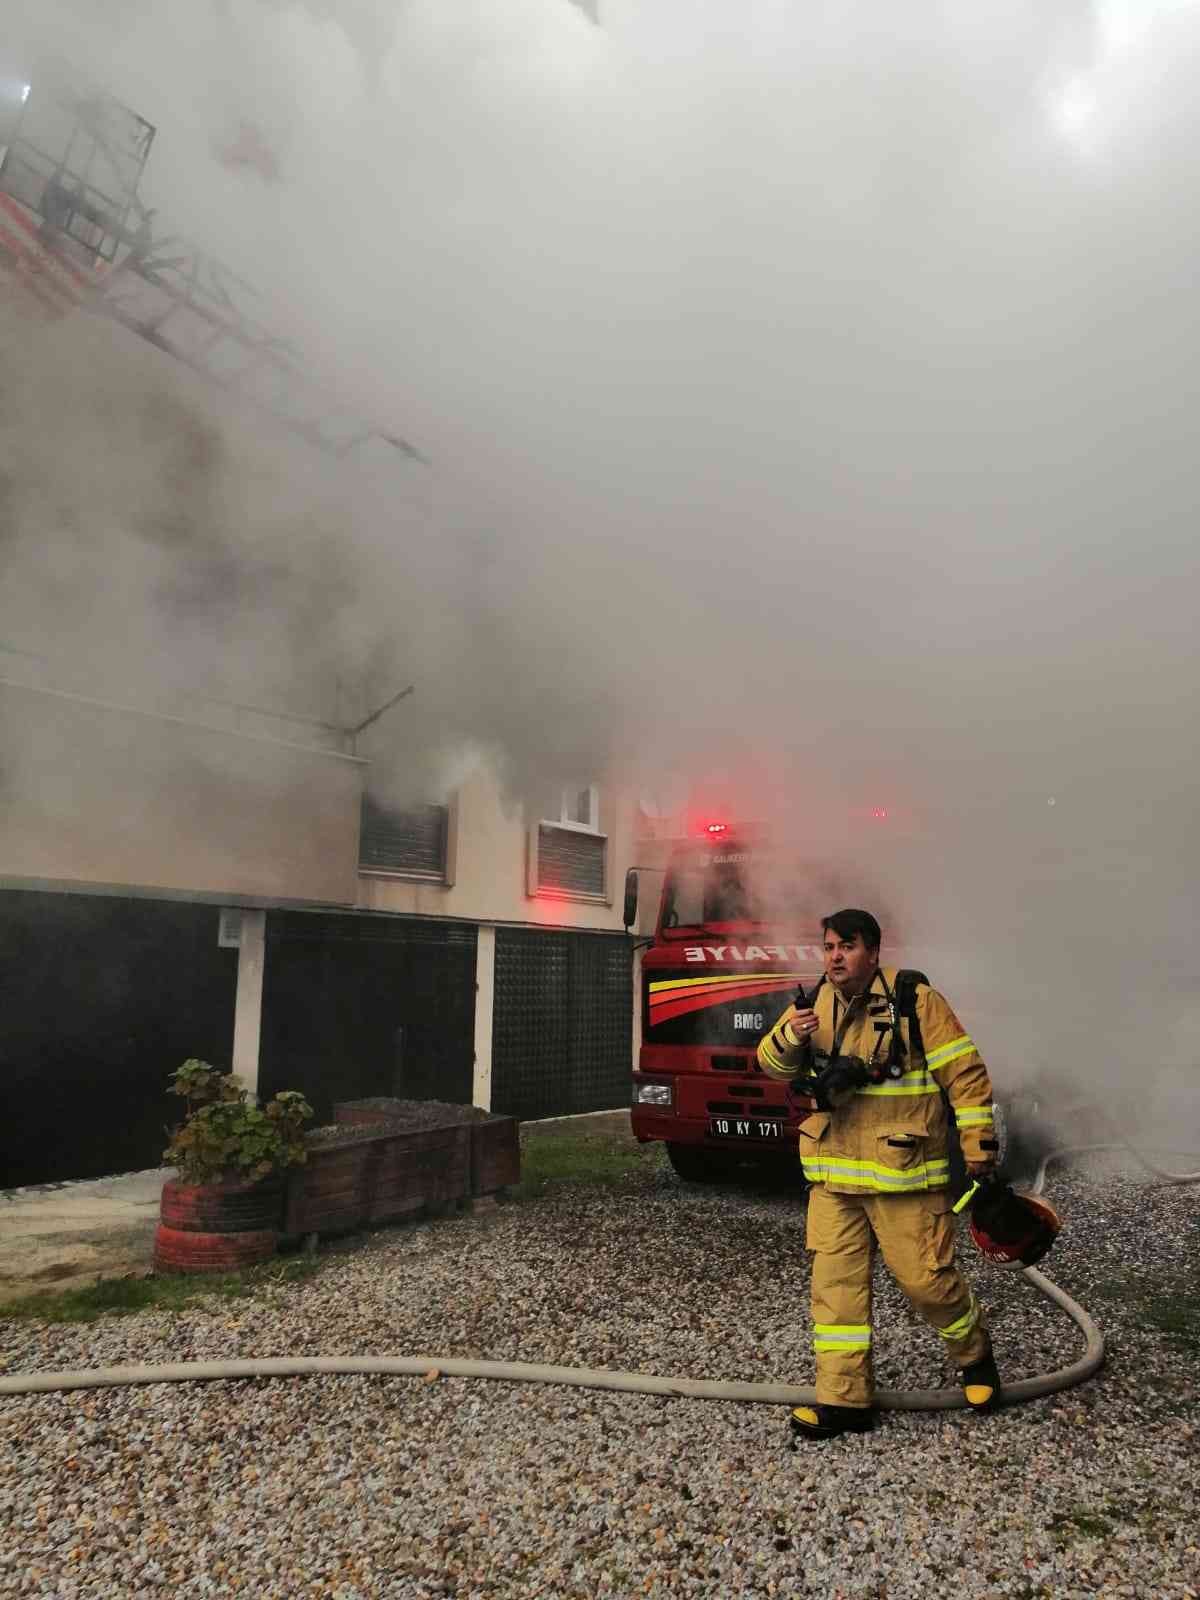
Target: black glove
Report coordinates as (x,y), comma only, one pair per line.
(837,1082)
(997,1210)
(994,1207)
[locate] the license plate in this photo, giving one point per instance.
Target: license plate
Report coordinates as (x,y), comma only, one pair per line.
(744,1128)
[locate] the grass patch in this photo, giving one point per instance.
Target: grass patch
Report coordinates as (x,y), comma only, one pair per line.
(1176,1316)
(1079,1520)
(122,1297)
(553,1160)
(1169,1306)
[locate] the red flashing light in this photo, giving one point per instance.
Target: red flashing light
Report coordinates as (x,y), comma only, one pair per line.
(879,813)
(716,827)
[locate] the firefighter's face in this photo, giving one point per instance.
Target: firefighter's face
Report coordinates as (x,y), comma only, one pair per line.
(849,963)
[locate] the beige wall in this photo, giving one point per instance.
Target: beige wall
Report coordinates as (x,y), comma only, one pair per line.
(488,864)
(110,797)
(94,795)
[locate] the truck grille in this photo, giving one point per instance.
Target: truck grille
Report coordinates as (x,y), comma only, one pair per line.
(734,1064)
(735,1108)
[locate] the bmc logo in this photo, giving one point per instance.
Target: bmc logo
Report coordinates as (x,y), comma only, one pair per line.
(748,1021)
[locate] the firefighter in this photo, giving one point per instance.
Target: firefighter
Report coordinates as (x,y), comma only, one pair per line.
(876,1156)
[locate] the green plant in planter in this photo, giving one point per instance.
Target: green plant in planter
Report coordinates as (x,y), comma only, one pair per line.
(225,1136)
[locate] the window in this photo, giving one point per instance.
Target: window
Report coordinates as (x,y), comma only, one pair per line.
(568,855)
(580,807)
(571,863)
(411,842)
(714,891)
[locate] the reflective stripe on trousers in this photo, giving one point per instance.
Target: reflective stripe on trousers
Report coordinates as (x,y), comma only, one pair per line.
(958,1330)
(841,1336)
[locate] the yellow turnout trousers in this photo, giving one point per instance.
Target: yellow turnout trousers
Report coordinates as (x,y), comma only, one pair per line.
(915,1232)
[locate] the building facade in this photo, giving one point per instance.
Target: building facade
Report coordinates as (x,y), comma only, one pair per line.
(226,885)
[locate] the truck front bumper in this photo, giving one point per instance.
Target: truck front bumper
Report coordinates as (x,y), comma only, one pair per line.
(709,1110)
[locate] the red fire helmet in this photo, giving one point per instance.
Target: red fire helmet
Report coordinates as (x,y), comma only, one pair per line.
(1016,1230)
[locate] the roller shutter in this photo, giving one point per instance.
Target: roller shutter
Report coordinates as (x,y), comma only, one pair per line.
(571,862)
(411,841)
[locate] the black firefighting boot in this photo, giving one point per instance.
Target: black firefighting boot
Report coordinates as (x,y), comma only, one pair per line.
(827,1422)
(981,1384)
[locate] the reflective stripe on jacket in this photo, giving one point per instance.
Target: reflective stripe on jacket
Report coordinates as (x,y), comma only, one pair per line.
(890,1137)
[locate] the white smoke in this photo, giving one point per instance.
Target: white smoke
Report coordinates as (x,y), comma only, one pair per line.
(810,393)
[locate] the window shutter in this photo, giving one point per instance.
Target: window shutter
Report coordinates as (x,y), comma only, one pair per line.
(412,841)
(571,861)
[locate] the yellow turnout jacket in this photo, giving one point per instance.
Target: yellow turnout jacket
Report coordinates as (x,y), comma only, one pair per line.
(890,1137)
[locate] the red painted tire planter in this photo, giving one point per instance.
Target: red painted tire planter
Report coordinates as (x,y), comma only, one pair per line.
(222,1207)
(178,1251)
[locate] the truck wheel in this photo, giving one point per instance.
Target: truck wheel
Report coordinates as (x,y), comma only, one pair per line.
(697,1165)
(780,1172)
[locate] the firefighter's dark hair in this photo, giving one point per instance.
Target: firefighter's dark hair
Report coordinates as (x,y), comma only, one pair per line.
(849,922)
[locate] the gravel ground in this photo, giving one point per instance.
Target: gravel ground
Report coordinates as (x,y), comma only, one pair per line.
(394,1487)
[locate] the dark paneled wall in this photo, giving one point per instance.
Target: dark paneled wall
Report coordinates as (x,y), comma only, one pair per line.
(562,1037)
(100,999)
(360,1006)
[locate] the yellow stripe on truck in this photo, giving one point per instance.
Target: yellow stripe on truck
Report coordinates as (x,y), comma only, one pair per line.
(725,977)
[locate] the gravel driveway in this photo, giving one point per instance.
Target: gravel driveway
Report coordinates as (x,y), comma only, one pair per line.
(351,1487)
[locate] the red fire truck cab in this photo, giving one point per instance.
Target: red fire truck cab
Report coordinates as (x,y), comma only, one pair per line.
(737,932)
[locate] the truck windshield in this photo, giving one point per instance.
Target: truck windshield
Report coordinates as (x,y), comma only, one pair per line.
(739,888)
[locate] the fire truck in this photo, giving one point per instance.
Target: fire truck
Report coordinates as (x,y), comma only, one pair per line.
(737,933)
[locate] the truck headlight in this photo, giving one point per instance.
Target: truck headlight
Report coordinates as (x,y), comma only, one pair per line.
(653,1092)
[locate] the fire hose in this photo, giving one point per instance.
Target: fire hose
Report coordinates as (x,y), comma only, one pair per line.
(780,1394)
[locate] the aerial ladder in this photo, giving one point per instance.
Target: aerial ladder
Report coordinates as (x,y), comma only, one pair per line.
(75,234)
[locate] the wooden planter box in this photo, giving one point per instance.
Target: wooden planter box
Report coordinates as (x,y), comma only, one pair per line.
(378,1177)
(495,1154)
(495,1139)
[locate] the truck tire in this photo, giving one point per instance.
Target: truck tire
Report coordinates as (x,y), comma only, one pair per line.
(695,1164)
(780,1172)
